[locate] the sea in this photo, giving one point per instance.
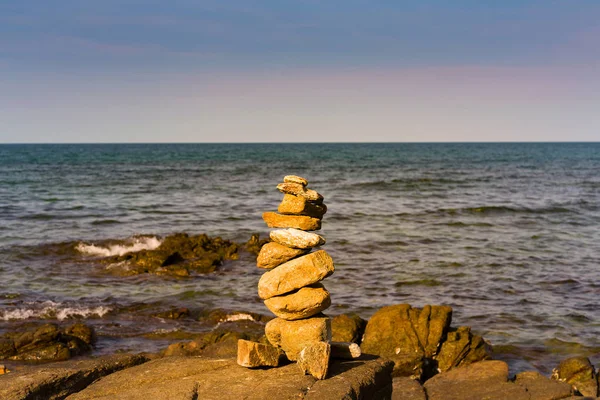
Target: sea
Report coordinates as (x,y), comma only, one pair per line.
(507,234)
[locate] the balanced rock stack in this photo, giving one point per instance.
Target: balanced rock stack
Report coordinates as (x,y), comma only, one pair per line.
(291,289)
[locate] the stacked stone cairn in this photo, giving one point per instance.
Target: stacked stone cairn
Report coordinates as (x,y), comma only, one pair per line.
(291,289)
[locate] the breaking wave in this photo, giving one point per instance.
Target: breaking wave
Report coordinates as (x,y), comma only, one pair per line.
(138,244)
(52,310)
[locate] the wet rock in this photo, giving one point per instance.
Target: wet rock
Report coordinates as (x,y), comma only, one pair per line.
(297,205)
(483,380)
(82,332)
(7,348)
(540,387)
(297,189)
(347,328)
(220,342)
(255,244)
(462,348)
(293,336)
(178,255)
(295,274)
(407,389)
(273,254)
(253,354)
(59,380)
(47,343)
(296,238)
(406,334)
(303,303)
(274,220)
(174,313)
(579,373)
(314,359)
(345,351)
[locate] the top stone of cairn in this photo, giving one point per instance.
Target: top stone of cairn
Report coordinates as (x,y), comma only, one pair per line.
(295,179)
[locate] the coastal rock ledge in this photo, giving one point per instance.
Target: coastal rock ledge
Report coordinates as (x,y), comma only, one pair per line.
(176,378)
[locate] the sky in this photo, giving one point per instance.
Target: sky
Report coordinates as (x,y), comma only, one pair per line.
(299,71)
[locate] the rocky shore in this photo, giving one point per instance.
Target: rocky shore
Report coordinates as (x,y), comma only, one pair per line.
(408,353)
(401,352)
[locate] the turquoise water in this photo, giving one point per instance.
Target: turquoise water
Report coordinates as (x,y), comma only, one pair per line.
(506,234)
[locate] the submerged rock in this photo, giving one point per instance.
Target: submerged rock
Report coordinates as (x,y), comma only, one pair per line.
(47,343)
(255,244)
(178,255)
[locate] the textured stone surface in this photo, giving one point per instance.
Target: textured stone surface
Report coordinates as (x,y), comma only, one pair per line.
(461,348)
(273,254)
(314,359)
(359,379)
(58,380)
(298,205)
(297,189)
(296,238)
(406,334)
(303,303)
(347,328)
(540,387)
(483,380)
(209,379)
(407,389)
(293,336)
(580,373)
(295,274)
(345,350)
(302,222)
(295,179)
(252,354)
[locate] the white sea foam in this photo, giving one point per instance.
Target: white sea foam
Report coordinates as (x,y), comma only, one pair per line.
(138,244)
(52,310)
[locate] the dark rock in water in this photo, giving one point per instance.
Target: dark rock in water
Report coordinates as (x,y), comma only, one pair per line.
(578,372)
(462,348)
(57,381)
(255,243)
(82,332)
(178,255)
(541,388)
(47,343)
(347,328)
(174,313)
(179,378)
(220,342)
(483,380)
(406,335)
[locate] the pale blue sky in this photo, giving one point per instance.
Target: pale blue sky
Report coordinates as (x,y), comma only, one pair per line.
(202,71)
